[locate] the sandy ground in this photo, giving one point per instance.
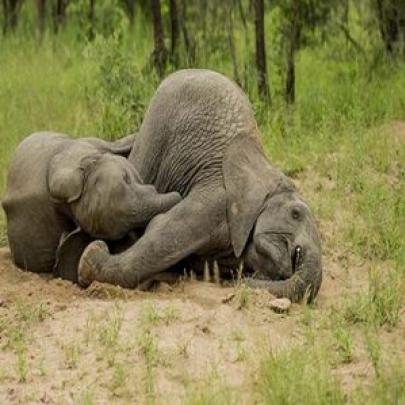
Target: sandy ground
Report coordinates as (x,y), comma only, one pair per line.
(168,341)
(198,335)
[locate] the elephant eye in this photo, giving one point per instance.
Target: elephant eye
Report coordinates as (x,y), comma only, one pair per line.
(296,214)
(127,178)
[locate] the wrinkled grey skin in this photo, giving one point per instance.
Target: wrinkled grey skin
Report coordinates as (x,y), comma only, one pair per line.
(199,137)
(61,193)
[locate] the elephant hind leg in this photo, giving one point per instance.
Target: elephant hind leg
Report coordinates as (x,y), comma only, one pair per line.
(170,237)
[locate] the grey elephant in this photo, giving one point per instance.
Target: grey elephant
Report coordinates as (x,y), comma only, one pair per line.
(61,193)
(199,137)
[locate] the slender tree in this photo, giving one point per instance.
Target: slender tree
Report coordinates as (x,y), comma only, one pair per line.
(299,18)
(242,13)
(262,81)
(5,15)
(188,44)
(91,19)
(11,9)
(129,7)
(160,52)
(232,43)
(59,14)
(293,45)
(391,19)
(41,7)
(174,25)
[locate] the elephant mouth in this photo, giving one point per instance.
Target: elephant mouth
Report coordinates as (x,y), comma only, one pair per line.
(296,258)
(274,261)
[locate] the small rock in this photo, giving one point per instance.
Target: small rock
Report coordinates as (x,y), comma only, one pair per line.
(203,328)
(280,305)
(2,303)
(164,287)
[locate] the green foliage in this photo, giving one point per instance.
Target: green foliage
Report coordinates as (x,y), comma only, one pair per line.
(382,303)
(149,349)
(344,343)
(109,17)
(86,397)
(119,381)
(211,390)
(389,389)
(21,365)
(108,334)
(118,92)
(298,376)
(151,315)
(71,354)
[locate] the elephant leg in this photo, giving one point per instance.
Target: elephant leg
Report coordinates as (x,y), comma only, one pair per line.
(186,228)
(71,247)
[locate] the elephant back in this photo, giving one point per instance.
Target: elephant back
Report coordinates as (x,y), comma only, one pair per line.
(33,226)
(193,117)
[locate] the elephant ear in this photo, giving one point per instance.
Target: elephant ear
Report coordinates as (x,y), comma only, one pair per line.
(67,171)
(120,147)
(249,180)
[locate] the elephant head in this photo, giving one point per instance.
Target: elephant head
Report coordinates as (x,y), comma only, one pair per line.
(270,223)
(103,191)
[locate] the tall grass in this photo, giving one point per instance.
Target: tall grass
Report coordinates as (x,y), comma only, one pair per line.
(298,376)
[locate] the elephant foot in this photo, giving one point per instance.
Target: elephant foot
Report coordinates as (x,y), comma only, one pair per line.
(94,253)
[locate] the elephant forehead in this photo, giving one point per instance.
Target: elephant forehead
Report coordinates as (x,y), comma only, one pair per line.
(72,156)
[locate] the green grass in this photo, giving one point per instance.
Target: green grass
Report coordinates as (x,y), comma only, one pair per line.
(71,352)
(298,376)
(381,303)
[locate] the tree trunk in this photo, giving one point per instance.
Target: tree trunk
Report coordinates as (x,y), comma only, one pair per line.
(41,6)
(387,14)
(174,23)
(6,16)
(59,14)
(294,38)
(11,9)
(232,47)
(345,13)
(91,20)
(262,82)
(204,12)
(186,38)
(160,51)
(242,14)
(130,10)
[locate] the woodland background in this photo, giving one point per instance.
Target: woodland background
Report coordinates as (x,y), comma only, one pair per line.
(326,79)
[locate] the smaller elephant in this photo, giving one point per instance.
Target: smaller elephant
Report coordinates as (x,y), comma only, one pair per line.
(62,193)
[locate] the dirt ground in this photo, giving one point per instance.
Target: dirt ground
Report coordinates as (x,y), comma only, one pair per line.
(169,340)
(201,332)
(107,344)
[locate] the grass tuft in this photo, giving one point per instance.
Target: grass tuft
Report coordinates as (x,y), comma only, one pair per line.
(297,376)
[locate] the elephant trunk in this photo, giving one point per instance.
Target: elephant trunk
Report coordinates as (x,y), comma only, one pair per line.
(167,201)
(148,203)
(304,283)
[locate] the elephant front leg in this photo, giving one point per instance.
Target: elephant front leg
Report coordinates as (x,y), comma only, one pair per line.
(68,254)
(170,237)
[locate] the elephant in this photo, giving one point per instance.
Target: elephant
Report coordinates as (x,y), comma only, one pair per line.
(199,137)
(63,193)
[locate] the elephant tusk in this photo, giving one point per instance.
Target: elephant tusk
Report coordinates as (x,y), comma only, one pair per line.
(297,258)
